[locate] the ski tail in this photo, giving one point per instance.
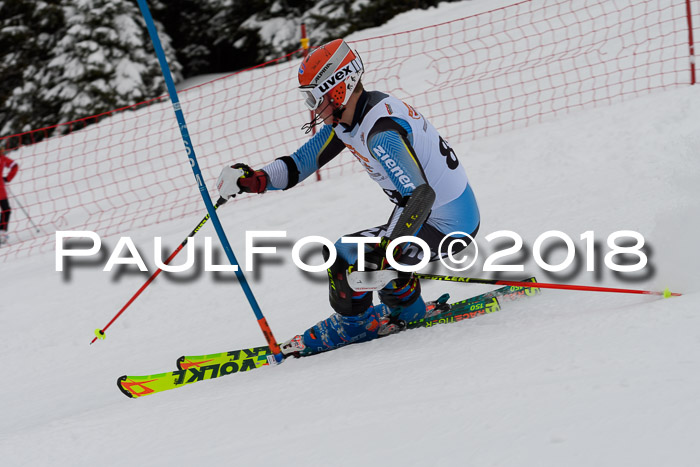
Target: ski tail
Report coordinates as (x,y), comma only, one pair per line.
(510,292)
(483,304)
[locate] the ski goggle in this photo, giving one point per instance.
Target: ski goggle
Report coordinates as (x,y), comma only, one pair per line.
(312,94)
(310,99)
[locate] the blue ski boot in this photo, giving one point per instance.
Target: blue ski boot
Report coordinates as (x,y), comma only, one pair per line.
(337,331)
(403,297)
(399,317)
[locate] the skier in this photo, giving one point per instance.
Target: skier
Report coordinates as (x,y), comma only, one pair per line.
(5,211)
(405,155)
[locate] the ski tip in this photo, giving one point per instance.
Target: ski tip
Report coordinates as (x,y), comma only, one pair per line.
(179,362)
(121,388)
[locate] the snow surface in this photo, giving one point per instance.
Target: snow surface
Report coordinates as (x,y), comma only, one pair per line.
(566,378)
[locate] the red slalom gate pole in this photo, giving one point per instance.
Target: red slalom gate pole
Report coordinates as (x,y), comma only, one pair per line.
(100,333)
(543,285)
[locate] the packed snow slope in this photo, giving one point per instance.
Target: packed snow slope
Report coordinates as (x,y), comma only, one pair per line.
(564,378)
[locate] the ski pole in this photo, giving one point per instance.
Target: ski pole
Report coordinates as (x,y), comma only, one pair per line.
(100,333)
(187,141)
(377,280)
(23,210)
(543,285)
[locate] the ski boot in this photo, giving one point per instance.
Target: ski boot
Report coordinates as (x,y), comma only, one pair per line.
(397,320)
(337,331)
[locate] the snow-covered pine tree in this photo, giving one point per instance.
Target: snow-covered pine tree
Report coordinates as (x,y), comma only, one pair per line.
(262,30)
(331,19)
(28,32)
(104,60)
(235,45)
(189,24)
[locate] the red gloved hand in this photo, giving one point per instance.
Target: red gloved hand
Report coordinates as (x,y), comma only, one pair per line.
(252,181)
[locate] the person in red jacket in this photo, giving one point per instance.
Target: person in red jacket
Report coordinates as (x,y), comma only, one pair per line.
(5,211)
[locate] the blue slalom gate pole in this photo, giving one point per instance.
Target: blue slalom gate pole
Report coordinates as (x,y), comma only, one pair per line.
(271,342)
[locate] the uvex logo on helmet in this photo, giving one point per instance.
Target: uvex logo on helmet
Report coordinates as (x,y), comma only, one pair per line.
(338,77)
